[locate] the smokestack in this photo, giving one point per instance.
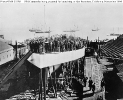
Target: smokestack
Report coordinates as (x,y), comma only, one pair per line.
(16,47)
(87,38)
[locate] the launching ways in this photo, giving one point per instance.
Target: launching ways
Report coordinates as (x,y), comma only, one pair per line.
(45,60)
(94,70)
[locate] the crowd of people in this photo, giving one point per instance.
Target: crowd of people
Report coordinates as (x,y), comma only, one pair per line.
(59,43)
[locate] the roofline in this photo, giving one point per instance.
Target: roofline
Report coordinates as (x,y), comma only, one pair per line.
(6,50)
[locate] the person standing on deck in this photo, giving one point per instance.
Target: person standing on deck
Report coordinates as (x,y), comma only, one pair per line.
(90,83)
(85,80)
(102,84)
(93,87)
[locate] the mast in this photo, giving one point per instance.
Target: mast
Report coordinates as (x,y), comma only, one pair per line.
(49,32)
(16,48)
(99,46)
(118,30)
(44,18)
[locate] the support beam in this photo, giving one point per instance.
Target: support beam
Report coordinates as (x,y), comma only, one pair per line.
(45,82)
(40,85)
(55,85)
(71,71)
(78,65)
(52,82)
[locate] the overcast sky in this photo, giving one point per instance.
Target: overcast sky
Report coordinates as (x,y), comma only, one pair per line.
(17,19)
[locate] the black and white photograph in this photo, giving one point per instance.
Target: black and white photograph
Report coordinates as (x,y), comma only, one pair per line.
(61,50)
